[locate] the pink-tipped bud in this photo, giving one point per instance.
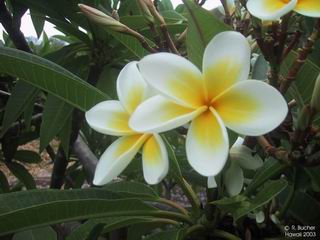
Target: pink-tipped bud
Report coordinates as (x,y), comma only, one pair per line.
(101,18)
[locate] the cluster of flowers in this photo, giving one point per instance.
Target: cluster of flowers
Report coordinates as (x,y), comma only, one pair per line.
(164,91)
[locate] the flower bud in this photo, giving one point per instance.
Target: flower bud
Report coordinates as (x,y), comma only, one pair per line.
(315,100)
(305,117)
(101,18)
(145,11)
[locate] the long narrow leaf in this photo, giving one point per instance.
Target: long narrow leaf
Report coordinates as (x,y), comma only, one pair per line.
(50,77)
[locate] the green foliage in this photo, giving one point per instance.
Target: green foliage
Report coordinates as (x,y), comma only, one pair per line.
(55,116)
(68,205)
(44,95)
(50,77)
(36,234)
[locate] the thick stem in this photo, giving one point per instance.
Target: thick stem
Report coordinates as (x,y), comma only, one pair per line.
(59,169)
(13,28)
(224,235)
(227,18)
(174,205)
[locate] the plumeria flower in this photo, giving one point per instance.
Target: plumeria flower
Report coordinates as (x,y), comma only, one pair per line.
(275,9)
(241,157)
(219,97)
(112,118)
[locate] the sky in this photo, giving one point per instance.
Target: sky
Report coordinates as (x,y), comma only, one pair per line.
(28,30)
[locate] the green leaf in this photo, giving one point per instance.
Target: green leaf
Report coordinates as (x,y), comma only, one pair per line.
(240,206)
(50,77)
(202,27)
(109,224)
(133,189)
(46,233)
(314,174)
(65,135)
(22,174)
(131,43)
(22,94)
(27,156)
(4,184)
(306,77)
(176,234)
(165,5)
(46,207)
(270,169)
(70,29)
(303,207)
(55,115)
(38,21)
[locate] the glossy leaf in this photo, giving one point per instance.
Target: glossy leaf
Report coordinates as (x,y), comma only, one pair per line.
(240,206)
(22,94)
(132,189)
(176,234)
(50,77)
(46,233)
(22,174)
(4,184)
(46,207)
(27,156)
(108,225)
(55,115)
(268,170)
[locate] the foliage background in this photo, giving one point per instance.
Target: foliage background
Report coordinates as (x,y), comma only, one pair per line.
(47,87)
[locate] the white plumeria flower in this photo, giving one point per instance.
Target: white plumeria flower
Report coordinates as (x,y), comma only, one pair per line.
(220,96)
(240,158)
(275,9)
(112,118)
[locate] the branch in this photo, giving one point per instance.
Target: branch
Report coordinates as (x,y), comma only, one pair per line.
(87,158)
(13,28)
(301,58)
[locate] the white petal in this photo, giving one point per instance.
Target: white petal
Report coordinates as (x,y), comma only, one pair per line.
(175,77)
(212,182)
(117,157)
(157,114)
(207,144)
(245,157)
(310,8)
(130,87)
(238,142)
(226,61)
(233,179)
(260,217)
(251,108)
(155,160)
(109,117)
(270,9)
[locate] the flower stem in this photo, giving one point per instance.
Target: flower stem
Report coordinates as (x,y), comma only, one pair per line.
(174,205)
(301,58)
(173,216)
(224,235)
